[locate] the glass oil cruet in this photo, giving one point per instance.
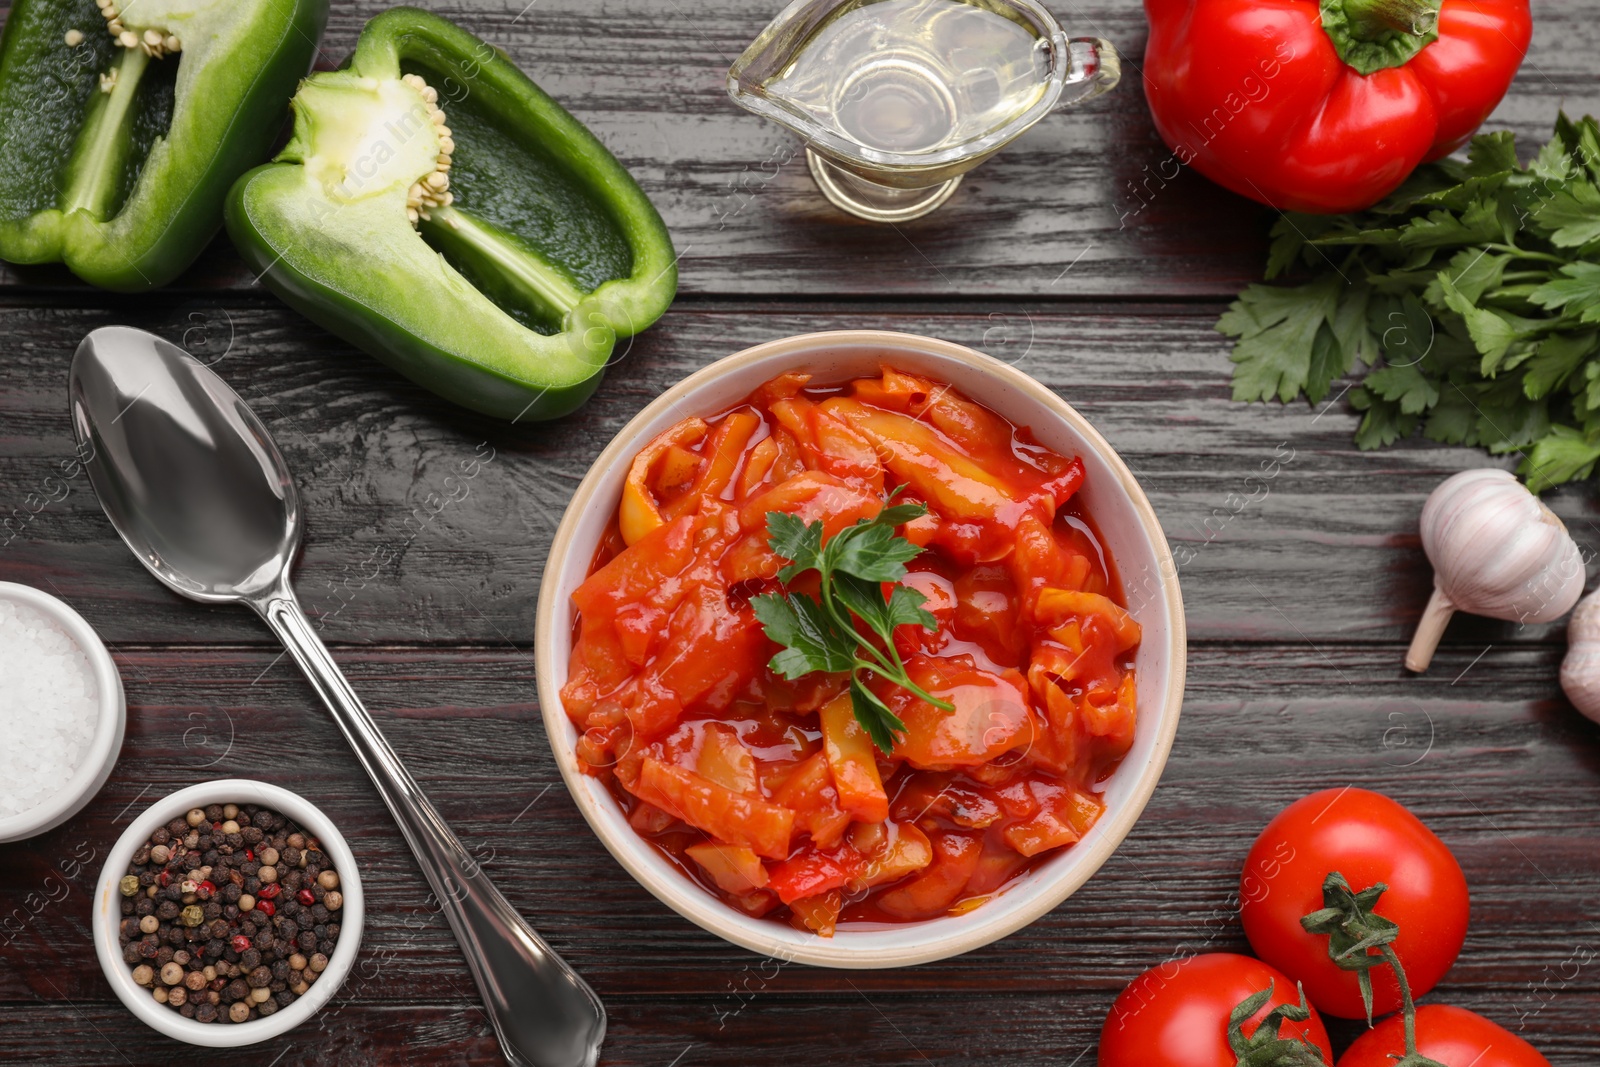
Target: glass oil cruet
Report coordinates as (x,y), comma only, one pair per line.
(897,99)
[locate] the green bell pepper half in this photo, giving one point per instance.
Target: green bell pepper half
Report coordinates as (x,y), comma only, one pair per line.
(509,298)
(125,184)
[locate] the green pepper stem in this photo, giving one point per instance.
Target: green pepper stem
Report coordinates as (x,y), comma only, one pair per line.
(453,230)
(103,146)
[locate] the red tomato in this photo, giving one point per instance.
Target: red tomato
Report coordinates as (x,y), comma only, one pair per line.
(1453,1036)
(1176,1013)
(1368,838)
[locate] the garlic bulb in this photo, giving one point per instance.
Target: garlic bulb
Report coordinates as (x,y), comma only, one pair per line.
(1496,551)
(1580,670)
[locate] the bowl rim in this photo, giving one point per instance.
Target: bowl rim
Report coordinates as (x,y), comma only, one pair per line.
(106,744)
(693,902)
(107,912)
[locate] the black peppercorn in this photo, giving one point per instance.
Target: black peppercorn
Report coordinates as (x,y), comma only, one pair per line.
(195,938)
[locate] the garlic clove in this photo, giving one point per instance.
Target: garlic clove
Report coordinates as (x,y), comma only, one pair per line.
(1496,550)
(1580,668)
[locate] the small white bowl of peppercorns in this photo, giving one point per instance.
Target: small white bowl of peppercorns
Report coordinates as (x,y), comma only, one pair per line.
(228,913)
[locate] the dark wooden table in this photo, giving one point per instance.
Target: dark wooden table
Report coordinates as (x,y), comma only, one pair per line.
(1059,256)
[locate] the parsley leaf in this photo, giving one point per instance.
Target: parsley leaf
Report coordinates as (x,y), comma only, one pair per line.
(1464,306)
(822,633)
(793,539)
(1577,290)
(1560,456)
(1277,328)
(813,642)
(1571,214)
(871,552)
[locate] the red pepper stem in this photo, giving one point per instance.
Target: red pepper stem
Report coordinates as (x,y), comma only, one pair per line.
(1369,20)
(1373,35)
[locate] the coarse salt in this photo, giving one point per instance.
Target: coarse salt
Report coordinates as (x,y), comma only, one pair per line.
(49,707)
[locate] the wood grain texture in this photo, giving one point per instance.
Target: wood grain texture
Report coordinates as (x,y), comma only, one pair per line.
(390,557)
(1460,750)
(1071,209)
(1300,585)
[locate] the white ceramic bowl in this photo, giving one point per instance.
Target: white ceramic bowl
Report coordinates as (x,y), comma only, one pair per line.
(108,913)
(1126,522)
(101,756)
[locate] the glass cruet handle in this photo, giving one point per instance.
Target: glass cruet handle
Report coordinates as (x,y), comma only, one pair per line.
(1094,67)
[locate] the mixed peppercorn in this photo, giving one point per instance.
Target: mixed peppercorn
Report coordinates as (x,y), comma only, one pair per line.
(229,914)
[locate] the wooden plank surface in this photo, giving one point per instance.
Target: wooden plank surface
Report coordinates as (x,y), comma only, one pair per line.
(1301,589)
(1069,210)
(1457,748)
(390,558)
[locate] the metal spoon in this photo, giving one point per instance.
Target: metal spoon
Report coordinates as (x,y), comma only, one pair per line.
(194,484)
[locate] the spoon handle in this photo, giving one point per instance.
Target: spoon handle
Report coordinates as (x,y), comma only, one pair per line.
(543,1013)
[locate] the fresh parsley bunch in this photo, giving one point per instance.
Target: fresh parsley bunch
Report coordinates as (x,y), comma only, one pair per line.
(820,633)
(1470,299)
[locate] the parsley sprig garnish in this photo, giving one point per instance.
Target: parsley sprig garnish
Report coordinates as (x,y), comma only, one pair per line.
(1467,302)
(822,633)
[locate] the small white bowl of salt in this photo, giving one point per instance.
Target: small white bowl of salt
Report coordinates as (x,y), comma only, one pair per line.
(62,712)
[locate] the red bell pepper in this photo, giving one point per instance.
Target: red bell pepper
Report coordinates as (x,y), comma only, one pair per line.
(1325,106)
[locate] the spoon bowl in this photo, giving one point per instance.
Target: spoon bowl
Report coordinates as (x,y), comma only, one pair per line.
(195,486)
(185,471)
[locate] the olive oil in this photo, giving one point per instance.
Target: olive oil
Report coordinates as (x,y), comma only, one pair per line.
(915,76)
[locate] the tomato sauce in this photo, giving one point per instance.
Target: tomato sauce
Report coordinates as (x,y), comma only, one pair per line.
(766,791)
